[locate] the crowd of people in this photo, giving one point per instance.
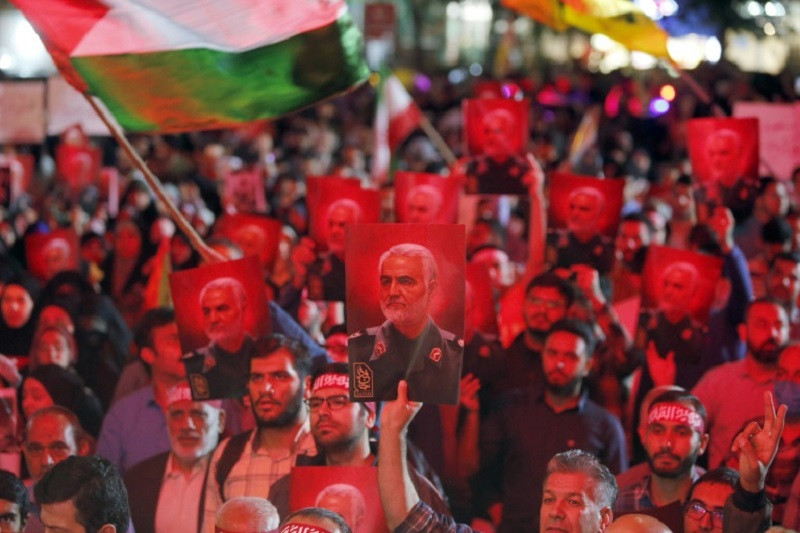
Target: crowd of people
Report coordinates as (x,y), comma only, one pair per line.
(570,416)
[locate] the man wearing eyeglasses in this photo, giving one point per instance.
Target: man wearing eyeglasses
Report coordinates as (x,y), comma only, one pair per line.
(53,434)
(736,502)
(166,491)
(341,434)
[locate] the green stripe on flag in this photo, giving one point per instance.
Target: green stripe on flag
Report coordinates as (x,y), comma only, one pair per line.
(200,88)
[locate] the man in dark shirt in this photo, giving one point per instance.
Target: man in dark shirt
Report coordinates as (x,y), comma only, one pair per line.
(533,425)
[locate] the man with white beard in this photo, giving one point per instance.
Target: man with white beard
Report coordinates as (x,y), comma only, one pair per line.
(409,345)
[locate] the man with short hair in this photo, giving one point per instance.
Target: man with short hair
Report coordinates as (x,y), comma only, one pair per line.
(783,284)
(142,412)
(578,490)
(513,453)
(83,495)
(408,345)
(219,370)
(246,514)
(52,434)
(250,463)
(732,392)
(166,491)
(674,438)
(15,506)
(633,240)
(547,299)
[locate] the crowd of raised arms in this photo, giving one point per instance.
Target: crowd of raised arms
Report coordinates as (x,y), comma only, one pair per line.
(570,415)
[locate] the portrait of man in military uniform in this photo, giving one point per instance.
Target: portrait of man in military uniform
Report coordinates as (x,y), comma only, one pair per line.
(724,154)
(423,198)
(581,242)
(408,345)
(220,310)
(669,328)
(496,137)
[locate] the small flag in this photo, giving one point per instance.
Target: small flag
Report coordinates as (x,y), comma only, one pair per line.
(177,65)
(396,116)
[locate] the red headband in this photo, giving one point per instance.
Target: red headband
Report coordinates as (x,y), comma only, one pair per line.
(336,381)
(676,412)
(325,381)
(303,528)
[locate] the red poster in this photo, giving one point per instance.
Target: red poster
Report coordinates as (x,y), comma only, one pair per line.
(424,198)
(724,151)
(255,234)
(333,204)
(351,492)
(220,309)
(48,254)
(405,309)
(494,126)
(244,192)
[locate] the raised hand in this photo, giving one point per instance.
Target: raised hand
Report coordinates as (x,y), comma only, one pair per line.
(758,445)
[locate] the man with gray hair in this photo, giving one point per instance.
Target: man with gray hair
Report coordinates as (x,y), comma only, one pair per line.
(423,204)
(220,369)
(408,345)
(247,514)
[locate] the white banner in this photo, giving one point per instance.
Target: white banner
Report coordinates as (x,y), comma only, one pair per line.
(22,112)
(779,135)
(67,107)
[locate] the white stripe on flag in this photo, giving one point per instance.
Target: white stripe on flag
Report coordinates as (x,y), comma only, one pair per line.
(136,26)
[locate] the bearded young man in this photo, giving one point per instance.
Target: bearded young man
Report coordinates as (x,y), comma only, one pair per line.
(250,463)
(732,392)
(674,437)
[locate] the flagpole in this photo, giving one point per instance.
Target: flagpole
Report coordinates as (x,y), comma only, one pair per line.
(437,140)
(195,240)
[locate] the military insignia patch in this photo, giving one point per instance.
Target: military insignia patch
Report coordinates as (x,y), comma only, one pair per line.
(380,349)
(484,351)
(199,387)
(686,334)
(598,250)
(436,355)
(208,363)
(363,384)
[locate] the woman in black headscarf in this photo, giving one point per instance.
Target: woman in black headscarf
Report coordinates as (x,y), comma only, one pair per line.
(17,315)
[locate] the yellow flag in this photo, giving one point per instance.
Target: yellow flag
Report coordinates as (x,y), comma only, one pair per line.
(620,20)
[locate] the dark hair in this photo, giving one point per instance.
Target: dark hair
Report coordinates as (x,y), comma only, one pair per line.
(680,396)
(319,512)
(641,218)
(719,476)
(776,231)
(549,279)
(763,184)
(152,319)
(13,490)
(95,488)
(331,368)
(580,462)
(705,240)
(578,328)
(684,179)
(266,346)
(793,257)
(337,328)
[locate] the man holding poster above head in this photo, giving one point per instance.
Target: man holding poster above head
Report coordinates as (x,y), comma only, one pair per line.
(408,345)
(724,155)
(220,367)
(497,132)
